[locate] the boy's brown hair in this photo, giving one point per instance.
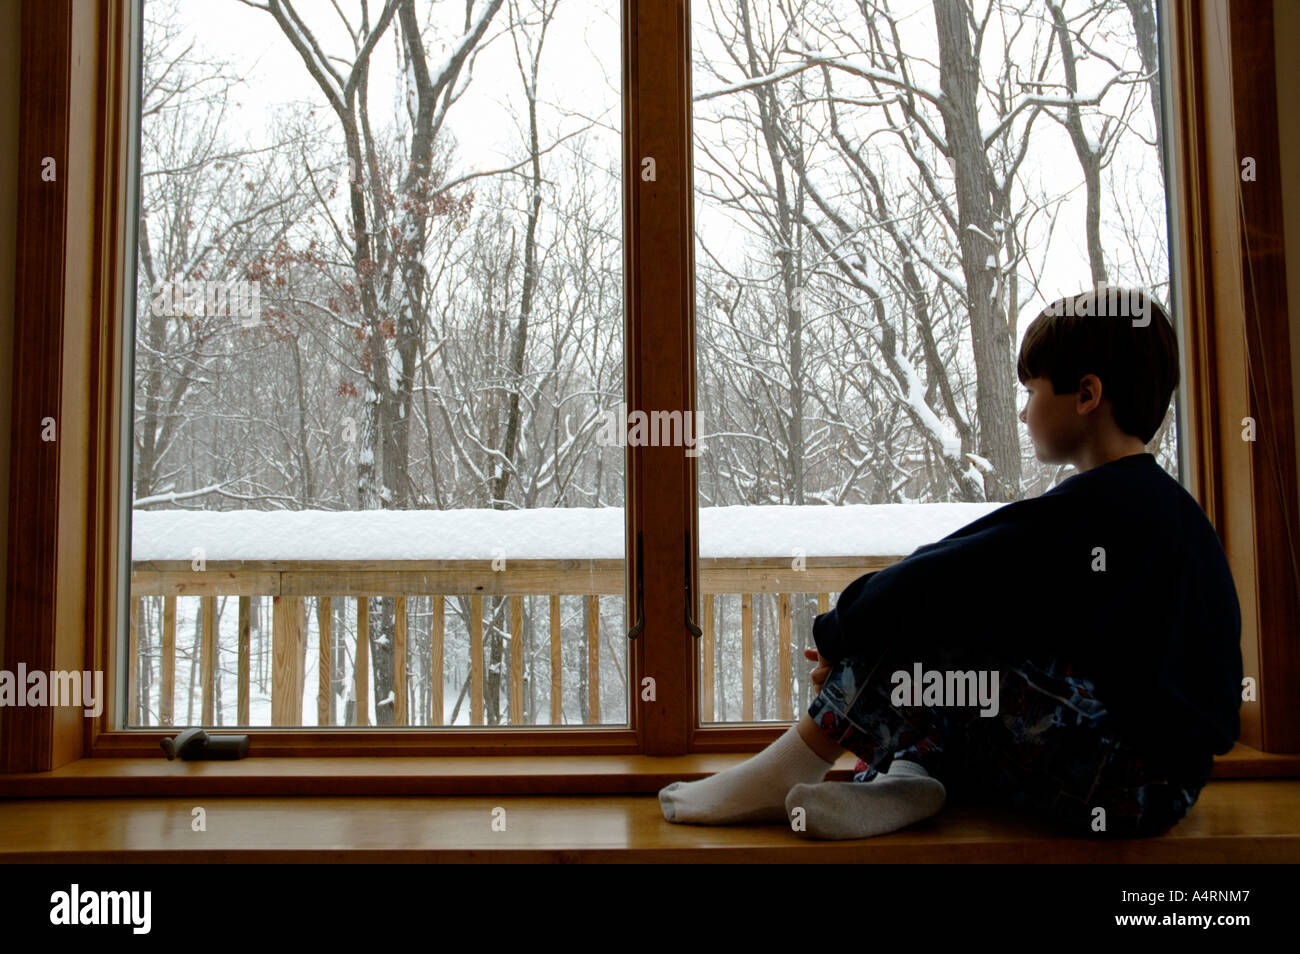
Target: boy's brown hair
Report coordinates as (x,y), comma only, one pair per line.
(1123,336)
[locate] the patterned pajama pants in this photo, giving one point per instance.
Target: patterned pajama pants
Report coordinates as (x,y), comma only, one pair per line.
(1050,752)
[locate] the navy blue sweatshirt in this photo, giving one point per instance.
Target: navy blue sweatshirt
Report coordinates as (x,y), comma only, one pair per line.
(1158,630)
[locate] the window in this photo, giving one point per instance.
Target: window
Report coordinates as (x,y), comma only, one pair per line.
(68,521)
(887,194)
(378,335)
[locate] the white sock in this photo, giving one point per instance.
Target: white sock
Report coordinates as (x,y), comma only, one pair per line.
(904,795)
(753,791)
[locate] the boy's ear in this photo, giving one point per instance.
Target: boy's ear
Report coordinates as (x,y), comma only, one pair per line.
(1089,392)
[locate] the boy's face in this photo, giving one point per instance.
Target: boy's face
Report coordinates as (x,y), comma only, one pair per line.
(1055,426)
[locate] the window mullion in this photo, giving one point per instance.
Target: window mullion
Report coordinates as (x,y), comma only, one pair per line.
(658,250)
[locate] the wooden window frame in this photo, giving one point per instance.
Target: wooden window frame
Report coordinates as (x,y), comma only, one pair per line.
(65,509)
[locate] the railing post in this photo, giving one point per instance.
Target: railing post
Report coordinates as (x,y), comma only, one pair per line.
(557,668)
(399,659)
(593,659)
(707,691)
(783,656)
(133,663)
(516,659)
(286,667)
(823,605)
(208,659)
(245,614)
(435,662)
(362,671)
(476,660)
(300,658)
(166,690)
(325,691)
(747,656)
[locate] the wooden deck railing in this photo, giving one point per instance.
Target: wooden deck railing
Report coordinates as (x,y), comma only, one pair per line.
(288,583)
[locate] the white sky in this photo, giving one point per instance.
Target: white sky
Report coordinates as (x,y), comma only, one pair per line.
(579,66)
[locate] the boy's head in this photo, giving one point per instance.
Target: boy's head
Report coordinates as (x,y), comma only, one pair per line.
(1100,368)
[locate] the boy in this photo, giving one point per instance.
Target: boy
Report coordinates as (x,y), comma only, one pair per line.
(1103,613)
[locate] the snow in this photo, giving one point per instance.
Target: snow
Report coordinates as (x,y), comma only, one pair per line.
(173,496)
(412,97)
(556,534)
(1093,148)
(915,398)
(953,278)
(438,72)
(307,47)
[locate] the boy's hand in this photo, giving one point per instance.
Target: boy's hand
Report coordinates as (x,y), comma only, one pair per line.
(823,667)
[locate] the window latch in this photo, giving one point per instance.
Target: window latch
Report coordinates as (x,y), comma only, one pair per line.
(690,597)
(194,744)
(635,631)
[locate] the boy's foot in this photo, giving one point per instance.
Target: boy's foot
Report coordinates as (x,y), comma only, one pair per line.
(904,795)
(753,791)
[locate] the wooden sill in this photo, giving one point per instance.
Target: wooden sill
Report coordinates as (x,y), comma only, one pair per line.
(1233,821)
(447,775)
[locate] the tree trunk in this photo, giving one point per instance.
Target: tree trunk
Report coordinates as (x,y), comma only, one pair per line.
(1089,160)
(995,406)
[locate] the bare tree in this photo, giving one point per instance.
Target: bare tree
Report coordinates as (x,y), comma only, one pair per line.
(208,209)
(386,235)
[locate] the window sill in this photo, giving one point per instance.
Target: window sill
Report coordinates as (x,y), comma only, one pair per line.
(1232,822)
(447,775)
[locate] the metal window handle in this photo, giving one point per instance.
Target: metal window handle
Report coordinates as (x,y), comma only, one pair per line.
(635,631)
(690,597)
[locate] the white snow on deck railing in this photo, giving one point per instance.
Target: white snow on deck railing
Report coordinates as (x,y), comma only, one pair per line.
(573,533)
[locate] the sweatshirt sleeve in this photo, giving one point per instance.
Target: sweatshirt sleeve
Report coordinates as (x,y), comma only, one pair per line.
(980,587)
